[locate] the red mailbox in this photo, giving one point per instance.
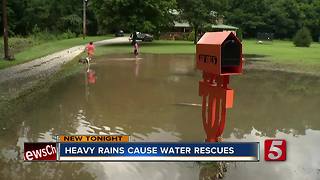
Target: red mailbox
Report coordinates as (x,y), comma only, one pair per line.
(219,55)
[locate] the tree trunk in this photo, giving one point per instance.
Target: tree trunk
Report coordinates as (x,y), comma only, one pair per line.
(5,29)
(84,18)
(195,35)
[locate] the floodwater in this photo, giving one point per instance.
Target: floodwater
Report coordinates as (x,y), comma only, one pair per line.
(147,98)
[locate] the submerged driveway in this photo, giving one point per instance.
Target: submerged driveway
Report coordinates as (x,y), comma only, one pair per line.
(17,78)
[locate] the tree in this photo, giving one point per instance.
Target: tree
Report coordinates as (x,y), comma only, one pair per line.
(281,17)
(197,13)
(302,38)
(53,16)
(5,29)
(140,15)
(311,13)
(248,15)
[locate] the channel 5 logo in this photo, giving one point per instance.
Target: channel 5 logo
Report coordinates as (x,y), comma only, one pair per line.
(275,150)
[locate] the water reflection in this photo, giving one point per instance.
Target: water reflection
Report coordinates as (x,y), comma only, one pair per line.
(272,102)
(155,98)
(136,67)
(91,76)
(303,159)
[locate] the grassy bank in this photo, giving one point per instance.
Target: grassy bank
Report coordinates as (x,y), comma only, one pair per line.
(155,47)
(284,52)
(277,51)
(46,48)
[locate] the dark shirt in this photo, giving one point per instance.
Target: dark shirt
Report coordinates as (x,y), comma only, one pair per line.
(134,38)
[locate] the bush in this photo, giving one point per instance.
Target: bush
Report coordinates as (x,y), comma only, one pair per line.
(302,38)
(239,34)
(68,35)
(191,36)
(43,36)
(17,44)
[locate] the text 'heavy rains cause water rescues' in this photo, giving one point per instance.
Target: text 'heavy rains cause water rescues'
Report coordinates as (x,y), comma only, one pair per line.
(134,151)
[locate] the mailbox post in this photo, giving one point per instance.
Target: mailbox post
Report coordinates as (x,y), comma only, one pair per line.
(218,55)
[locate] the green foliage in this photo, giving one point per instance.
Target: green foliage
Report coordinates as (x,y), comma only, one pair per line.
(35,29)
(36,49)
(148,27)
(148,15)
(42,36)
(239,34)
(197,13)
(72,22)
(68,35)
(281,17)
(17,44)
(302,38)
(191,36)
(46,15)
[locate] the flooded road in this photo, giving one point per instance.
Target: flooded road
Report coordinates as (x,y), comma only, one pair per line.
(147,98)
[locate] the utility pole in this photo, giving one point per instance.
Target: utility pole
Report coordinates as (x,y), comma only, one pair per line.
(84,19)
(5,29)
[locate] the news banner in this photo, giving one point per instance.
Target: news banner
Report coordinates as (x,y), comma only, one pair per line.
(119,148)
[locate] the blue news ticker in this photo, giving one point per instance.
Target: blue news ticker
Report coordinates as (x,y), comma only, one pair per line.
(134,150)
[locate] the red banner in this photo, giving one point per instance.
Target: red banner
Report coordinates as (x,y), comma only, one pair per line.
(40,151)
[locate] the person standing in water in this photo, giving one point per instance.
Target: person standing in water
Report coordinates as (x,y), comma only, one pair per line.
(134,43)
(90,51)
(136,48)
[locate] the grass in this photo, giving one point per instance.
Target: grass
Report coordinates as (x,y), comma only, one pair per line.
(48,48)
(284,52)
(277,51)
(155,47)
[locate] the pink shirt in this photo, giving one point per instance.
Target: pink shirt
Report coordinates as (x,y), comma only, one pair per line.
(90,48)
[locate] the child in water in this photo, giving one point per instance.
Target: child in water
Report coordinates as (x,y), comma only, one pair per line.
(135,48)
(134,43)
(90,51)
